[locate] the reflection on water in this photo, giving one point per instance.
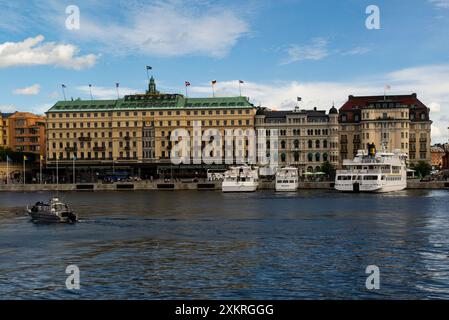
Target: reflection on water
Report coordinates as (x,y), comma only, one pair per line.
(266,245)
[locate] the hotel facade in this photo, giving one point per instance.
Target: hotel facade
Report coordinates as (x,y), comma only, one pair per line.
(402,122)
(135,130)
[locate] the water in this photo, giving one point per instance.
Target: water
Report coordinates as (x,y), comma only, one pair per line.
(209,245)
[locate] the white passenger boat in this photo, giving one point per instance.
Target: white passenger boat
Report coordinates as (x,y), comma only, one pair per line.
(240,179)
(373,172)
(287,179)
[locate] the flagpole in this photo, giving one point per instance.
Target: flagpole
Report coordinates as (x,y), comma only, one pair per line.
(40,169)
(63,92)
(148,75)
(186,92)
(57,172)
(7,169)
(116,86)
(90,89)
(24,170)
(240,87)
(74,172)
(213,90)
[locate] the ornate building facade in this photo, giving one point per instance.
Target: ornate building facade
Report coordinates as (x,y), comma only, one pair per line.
(307,138)
(136,129)
(402,122)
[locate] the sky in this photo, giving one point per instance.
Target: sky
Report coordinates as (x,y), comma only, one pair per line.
(319,50)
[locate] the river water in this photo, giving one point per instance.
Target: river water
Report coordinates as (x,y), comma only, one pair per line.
(209,245)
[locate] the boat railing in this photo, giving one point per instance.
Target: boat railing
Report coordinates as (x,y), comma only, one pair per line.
(357,172)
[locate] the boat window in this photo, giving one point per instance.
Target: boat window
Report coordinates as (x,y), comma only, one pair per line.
(370,178)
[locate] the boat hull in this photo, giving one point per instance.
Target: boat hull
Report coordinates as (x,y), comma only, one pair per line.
(239,187)
(286,187)
(45,217)
(371,188)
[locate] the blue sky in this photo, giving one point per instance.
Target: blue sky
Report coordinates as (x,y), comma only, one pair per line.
(320,50)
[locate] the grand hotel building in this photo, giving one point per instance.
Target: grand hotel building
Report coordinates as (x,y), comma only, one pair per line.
(135,130)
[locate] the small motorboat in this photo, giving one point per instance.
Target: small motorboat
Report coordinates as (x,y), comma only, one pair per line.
(53,212)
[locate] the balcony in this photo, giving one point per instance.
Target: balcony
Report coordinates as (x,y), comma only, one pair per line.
(85,139)
(99,149)
(71,149)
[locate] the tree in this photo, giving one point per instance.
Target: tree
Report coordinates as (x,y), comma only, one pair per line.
(329,169)
(422,168)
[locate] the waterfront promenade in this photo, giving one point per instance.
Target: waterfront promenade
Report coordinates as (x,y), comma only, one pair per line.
(180,185)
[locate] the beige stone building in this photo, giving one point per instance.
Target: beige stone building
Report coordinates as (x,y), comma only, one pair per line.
(135,130)
(4,128)
(401,121)
(306,138)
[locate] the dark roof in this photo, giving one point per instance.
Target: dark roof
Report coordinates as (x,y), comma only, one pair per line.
(333,110)
(355,102)
(6,115)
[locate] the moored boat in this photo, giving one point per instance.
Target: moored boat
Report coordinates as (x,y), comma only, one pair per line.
(373,172)
(287,179)
(240,179)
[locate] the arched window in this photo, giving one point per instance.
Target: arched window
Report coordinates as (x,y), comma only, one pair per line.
(325,157)
(296,143)
(317,157)
(310,144)
(283,144)
(283,157)
(317,144)
(296,156)
(325,144)
(310,157)
(309,169)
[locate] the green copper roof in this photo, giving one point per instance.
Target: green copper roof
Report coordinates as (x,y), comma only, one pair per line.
(151,100)
(155,101)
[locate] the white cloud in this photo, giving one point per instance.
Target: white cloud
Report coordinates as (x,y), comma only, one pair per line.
(105,93)
(168,29)
(434,107)
(356,51)
(31,90)
(7,108)
(34,51)
(429,82)
(440,3)
(316,50)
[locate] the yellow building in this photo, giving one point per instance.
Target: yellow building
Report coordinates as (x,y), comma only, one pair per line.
(4,130)
(136,129)
(402,122)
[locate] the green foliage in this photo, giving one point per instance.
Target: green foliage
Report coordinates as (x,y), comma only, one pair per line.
(422,168)
(16,156)
(329,169)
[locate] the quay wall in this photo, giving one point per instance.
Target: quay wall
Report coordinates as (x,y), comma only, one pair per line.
(170,186)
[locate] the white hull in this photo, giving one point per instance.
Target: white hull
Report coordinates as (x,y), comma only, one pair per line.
(239,186)
(373,188)
(286,187)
